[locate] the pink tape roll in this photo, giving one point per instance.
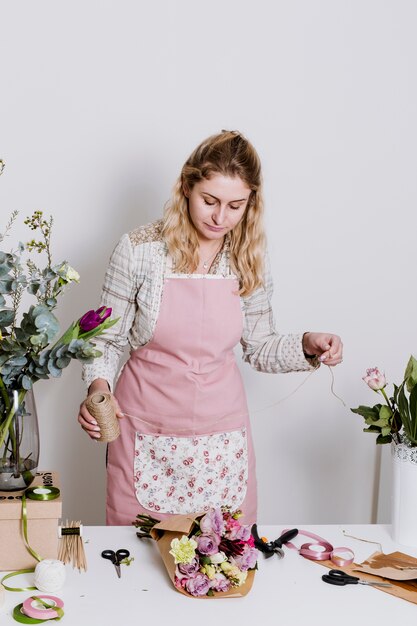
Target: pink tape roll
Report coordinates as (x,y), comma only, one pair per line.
(325,551)
(42,613)
(337,558)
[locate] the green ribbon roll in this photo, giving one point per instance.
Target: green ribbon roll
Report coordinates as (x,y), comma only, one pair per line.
(42,493)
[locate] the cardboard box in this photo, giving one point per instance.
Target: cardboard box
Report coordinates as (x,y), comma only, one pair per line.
(42,530)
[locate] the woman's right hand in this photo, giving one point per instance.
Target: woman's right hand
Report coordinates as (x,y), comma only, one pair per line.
(85,419)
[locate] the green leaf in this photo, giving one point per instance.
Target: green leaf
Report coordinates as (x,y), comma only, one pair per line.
(379,422)
(381,439)
(26,382)
(4,269)
(63,362)
(6,285)
(403,408)
(33,288)
(385,412)
(53,370)
(410,375)
(372,429)
(367,411)
(413,412)
(6,317)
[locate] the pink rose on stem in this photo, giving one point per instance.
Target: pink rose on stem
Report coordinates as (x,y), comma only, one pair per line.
(375,379)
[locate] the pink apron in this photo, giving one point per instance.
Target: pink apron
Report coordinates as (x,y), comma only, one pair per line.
(185,442)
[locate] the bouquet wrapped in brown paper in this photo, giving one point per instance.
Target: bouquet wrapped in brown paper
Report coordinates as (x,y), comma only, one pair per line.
(207,555)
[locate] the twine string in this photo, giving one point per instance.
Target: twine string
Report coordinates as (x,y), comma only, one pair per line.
(332,391)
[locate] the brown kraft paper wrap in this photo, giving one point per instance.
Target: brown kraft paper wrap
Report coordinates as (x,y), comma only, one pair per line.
(174,528)
(387,568)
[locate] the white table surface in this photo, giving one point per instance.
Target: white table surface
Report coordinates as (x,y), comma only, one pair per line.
(286,592)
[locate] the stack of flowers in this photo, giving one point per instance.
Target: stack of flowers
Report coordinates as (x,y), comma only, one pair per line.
(206,555)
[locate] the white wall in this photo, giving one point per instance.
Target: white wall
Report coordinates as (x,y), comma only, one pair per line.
(101,102)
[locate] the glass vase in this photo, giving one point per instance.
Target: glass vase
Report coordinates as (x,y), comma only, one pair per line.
(19,439)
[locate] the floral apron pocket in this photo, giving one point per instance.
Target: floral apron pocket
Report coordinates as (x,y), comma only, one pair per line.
(180,475)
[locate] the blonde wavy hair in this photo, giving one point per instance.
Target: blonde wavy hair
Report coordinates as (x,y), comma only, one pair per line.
(228,153)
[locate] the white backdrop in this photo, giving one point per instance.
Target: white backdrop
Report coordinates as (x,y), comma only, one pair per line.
(100,104)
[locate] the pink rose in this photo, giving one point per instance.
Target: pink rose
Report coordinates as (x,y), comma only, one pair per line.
(198,586)
(187,570)
(246,560)
(375,379)
(220,583)
(212,522)
(208,544)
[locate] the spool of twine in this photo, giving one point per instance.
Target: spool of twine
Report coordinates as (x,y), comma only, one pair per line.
(49,575)
(100,406)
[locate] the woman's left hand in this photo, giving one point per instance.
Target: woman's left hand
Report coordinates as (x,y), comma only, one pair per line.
(327,347)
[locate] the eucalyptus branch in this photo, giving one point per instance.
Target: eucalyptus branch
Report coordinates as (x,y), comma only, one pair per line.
(9,223)
(16,299)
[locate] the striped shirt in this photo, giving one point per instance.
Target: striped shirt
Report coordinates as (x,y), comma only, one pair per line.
(133,288)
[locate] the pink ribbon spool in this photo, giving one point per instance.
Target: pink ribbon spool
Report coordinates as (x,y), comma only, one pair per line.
(325,551)
(42,613)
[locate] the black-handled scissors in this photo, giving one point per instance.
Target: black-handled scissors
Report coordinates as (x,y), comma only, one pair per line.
(116,558)
(337,577)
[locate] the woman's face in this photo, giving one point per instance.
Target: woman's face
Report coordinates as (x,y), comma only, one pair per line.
(216,205)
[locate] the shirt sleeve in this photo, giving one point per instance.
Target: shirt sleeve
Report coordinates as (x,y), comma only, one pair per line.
(263,347)
(119,292)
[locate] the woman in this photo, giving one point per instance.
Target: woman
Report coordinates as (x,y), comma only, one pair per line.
(187,289)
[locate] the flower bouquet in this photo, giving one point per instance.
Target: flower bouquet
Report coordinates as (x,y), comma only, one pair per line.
(206,555)
(396,419)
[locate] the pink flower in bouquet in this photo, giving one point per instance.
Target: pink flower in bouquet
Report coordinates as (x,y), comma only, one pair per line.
(212,522)
(246,560)
(198,586)
(92,319)
(241,533)
(220,583)
(231,524)
(251,541)
(208,544)
(375,379)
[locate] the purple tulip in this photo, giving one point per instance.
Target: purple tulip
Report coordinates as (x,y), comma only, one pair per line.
(208,544)
(198,586)
(92,319)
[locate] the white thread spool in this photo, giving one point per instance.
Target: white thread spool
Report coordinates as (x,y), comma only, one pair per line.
(49,575)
